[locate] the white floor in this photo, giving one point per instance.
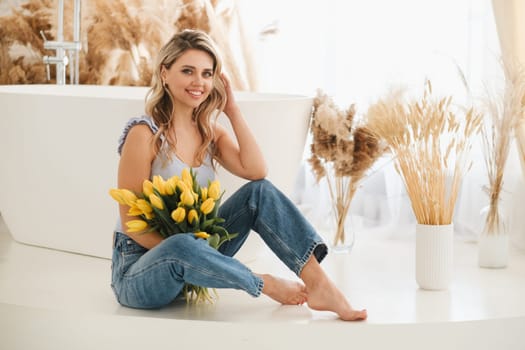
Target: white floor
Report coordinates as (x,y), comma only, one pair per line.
(58,300)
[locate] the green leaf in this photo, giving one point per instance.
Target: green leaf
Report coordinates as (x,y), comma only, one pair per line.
(163,220)
(184,226)
(176,229)
(171,202)
(151,229)
(213,240)
(195,226)
(232,235)
(218,220)
(219,230)
(207,223)
(226,238)
(194,180)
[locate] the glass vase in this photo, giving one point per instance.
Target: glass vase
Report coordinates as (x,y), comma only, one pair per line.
(493,243)
(341,237)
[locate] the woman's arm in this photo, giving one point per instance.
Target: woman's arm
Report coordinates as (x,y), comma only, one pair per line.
(243,157)
(136,157)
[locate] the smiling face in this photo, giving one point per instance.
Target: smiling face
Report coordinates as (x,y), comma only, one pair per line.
(190,78)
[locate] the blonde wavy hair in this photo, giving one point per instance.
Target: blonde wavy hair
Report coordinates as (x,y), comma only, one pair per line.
(159,101)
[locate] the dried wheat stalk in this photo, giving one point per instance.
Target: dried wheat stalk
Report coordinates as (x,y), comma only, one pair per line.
(342,152)
(504,114)
(423,135)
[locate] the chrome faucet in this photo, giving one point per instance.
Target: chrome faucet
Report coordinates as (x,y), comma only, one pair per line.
(61,47)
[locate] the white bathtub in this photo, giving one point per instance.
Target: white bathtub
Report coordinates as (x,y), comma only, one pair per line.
(58,157)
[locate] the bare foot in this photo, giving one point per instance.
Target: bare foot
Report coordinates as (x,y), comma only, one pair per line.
(284,291)
(325,296)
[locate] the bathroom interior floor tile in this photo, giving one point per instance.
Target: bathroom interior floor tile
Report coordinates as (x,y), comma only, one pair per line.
(377,275)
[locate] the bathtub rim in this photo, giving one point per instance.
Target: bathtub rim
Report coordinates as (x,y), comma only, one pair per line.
(132,92)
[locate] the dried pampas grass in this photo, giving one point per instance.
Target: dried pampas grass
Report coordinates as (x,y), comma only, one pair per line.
(504,115)
(519,129)
(341,152)
(21,46)
(120,39)
(430,141)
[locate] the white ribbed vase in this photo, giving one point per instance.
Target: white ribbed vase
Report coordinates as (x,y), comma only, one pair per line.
(434,256)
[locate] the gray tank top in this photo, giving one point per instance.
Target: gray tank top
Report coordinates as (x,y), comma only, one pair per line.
(162,166)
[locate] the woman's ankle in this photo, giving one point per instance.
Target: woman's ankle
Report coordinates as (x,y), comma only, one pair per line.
(312,273)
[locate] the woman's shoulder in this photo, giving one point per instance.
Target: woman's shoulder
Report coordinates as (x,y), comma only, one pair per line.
(218,130)
(142,120)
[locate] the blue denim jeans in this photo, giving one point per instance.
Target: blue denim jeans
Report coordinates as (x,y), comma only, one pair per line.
(153,278)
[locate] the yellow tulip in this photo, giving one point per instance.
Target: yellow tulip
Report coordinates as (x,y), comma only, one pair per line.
(147,188)
(204,193)
(116,194)
(186,177)
(178,214)
(182,186)
(136,225)
(174,179)
(187,198)
(214,191)
(134,211)
(156,201)
(123,196)
(159,184)
(129,196)
(207,206)
(169,189)
(192,216)
(201,234)
(171,184)
(144,206)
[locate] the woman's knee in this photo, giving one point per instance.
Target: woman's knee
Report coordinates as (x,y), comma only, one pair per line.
(181,242)
(262,185)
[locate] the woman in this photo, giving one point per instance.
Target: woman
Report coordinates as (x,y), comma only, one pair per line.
(148,271)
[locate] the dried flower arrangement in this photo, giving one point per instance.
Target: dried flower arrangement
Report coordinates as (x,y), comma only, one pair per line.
(423,135)
(504,115)
(520,141)
(119,39)
(341,151)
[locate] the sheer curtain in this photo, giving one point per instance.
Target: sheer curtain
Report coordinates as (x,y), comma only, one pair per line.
(509,16)
(356,51)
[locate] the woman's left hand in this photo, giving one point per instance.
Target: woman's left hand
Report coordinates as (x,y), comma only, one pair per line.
(240,155)
(231,108)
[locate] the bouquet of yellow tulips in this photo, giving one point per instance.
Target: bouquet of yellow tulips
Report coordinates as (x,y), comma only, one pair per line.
(177,205)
